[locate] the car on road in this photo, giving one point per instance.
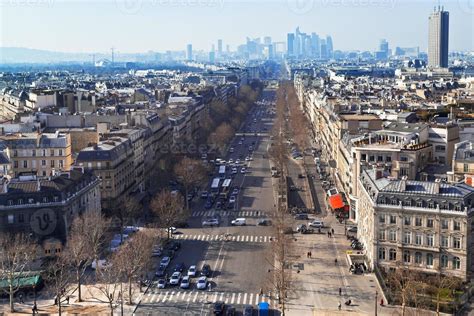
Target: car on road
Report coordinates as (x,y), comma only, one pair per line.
(206,270)
(230,310)
(248,310)
(332,192)
(161,283)
(237,161)
(235,191)
(232,199)
(180,267)
(231,149)
(234,170)
(250,148)
(352,229)
(243,170)
(161,271)
(231,161)
(302,216)
(210,222)
(201,284)
(300,228)
(175,278)
(172,230)
(218,205)
(240,142)
(192,271)
(264,222)
(165,261)
(208,204)
(218,308)
(238,222)
(293,188)
(204,194)
(156,251)
(316,224)
(185,283)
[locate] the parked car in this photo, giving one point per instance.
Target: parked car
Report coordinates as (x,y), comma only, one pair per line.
(175,278)
(175,245)
(243,170)
(206,270)
(180,267)
(238,222)
(165,261)
(201,284)
(161,271)
(332,192)
(218,308)
(157,251)
(352,229)
(301,216)
(230,310)
(316,224)
(300,227)
(232,199)
(204,194)
(192,271)
(185,283)
(264,222)
(248,310)
(161,283)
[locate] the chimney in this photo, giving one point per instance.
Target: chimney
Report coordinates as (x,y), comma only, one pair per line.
(437,186)
(403,183)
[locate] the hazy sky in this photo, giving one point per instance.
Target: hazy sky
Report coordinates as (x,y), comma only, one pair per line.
(142,25)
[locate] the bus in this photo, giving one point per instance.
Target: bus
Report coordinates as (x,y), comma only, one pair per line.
(215,185)
(225,189)
(222,172)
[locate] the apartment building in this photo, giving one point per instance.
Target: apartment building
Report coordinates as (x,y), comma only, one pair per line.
(38,153)
(425,226)
(463,163)
(443,138)
(46,207)
(111,161)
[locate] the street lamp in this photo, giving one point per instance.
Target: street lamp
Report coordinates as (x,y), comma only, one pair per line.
(376,294)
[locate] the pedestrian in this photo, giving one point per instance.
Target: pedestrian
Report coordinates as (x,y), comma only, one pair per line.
(55,300)
(310,254)
(67,299)
(332,231)
(340,291)
(20,298)
(335,261)
(381,302)
(328,234)
(339,306)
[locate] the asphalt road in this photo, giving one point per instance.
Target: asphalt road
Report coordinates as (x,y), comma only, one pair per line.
(239,264)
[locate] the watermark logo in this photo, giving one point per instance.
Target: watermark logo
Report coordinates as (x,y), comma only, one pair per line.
(26,3)
(43,222)
(300,6)
(129,6)
(466,6)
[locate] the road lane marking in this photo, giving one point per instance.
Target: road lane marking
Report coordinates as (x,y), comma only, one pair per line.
(233,298)
(245,298)
(251,238)
(165,298)
(221,298)
(251,299)
(238,298)
(214,299)
(256,298)
(195,297)
(247,238)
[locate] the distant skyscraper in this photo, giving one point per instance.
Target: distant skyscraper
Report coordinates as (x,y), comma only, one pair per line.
(315,45)
(290,44)
(267,40)
(219,47)
(329,47)
(227,48)
(438,38)
(383,46)
(212,57)
(189,52)
(323,49)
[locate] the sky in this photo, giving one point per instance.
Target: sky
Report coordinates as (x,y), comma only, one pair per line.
(159,25)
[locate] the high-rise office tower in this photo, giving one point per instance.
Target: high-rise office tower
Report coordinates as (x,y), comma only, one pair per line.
(323,49)
(329,48)
(212,57)
(438,38)
(315,45)
(267,40)
(383,46)
(290,43)
(189,52)
(297,44)
(219,47)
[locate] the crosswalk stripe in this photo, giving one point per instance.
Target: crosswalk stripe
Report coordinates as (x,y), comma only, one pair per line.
(234,238)
(245,298)
(189,297)
(265,239)
(171,297)
(214,299)
(165,297)
(195,297)
(221,298)
(256,299)
(238,298)
(232,299)
(251,239)
(251,299)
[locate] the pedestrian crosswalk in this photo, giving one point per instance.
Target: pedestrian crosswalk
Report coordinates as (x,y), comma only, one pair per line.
(227,213)
(155,295)
(237,238)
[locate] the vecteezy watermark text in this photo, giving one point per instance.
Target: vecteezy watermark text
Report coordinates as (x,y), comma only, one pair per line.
(135,6)
(305,6)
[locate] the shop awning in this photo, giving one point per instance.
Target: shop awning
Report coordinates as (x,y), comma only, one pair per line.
(336,202)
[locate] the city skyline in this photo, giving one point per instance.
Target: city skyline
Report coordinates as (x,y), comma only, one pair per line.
(216,19)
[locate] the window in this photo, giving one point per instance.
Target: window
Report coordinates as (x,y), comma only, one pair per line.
(456,263)
(382,234)
(43,162)
(60,152)
(418,238)
(393,219)
(440,148)
(33,153)
(444,224)
(418,258)
(382,218)
(25,163)
(406,256)
(418,221)
(52,153)
(392,255)
(61,163)
(381,253)
(371,158)
(407,220)
(429,240)
(429,260)
(379,158)
(407,237)
(363,157)
(388,159)
(393,235)
(21,218)
(444,261)
(457,243)
(419,204)
(20,201)
(44,152)
(457,225)
(15,153)
(429,223)
(52,163)
(11,219)
(444,241)
(15,164)
(403,158)
(431,204)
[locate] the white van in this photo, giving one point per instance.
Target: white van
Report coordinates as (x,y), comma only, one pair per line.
(238,222)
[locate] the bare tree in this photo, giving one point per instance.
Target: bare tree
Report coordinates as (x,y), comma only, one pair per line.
(58,278)
(221,136)
(97,226)
(17,252)
(108,283)
(133,258)
(439,284)
(190,172)
(130,209)
(403,281)
(168,208)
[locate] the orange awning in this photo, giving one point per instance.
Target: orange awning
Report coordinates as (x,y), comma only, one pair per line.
(335,201)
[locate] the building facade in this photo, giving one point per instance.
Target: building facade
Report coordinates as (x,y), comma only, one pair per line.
(438,39)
